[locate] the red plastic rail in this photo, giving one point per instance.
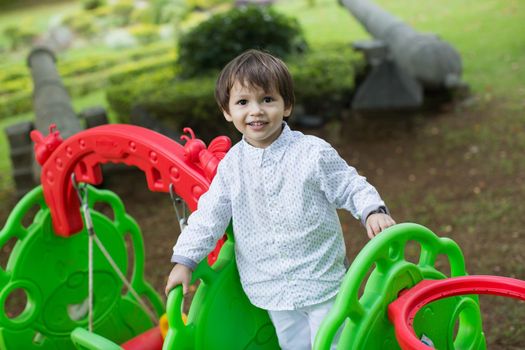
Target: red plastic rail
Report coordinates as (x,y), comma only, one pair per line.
(402,311)
(189,168)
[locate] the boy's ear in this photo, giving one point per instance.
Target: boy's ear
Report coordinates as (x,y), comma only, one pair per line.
(287,111)
(227,116)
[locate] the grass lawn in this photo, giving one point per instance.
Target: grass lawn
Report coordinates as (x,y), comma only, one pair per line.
(488,34)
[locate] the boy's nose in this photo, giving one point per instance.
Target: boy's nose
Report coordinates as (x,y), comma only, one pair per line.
(256,109)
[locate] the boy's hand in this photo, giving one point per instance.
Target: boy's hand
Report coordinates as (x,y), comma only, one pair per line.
(180,274)
(376,223)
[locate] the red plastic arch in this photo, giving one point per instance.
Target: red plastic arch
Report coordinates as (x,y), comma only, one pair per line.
(189,168)
(402,311)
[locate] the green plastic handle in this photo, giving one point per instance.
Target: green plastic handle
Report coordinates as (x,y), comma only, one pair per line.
(85,340)
(175,299)
(385,252)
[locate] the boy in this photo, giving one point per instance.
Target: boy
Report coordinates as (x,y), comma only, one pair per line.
(281,190)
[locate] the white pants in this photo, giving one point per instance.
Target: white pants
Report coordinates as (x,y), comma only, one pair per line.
(296,329)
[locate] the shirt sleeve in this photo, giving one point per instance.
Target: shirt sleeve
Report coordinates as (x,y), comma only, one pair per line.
(343,186)
(206,224)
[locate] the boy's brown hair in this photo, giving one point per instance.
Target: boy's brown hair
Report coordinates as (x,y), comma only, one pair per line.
(255,68)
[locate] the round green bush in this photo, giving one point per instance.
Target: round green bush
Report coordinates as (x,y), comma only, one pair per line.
(214,42)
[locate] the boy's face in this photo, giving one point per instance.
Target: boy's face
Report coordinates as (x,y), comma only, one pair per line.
(256,113)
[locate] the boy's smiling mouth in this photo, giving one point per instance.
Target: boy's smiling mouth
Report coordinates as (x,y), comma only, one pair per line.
(257,123)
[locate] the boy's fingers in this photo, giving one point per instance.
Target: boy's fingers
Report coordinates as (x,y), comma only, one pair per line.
(371,231)
(389,222)
(169,287)
(373,228)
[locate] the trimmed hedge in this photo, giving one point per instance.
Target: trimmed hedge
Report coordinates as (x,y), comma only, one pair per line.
(177,104)
(162,96)
(13,104)
(80,66)
(11,72)
(97,62)
(324,81)
(19,101)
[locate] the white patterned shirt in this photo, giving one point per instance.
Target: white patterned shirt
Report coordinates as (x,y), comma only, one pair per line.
(282,200)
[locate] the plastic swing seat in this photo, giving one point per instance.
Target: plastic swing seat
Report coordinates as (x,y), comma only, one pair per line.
(220,316)
(52,271)
(365,318)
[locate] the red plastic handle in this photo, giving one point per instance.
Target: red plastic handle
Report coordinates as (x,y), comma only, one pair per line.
(164,161)
(402,311)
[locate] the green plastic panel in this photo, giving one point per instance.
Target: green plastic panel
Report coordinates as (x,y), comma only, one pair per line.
(220,315)
(362,303)
(52,271)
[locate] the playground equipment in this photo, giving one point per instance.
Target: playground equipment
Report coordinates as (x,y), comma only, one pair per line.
(403,311)
(66,294)
(52,270)
(403,61)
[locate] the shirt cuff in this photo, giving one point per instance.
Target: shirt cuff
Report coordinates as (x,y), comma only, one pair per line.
(373,209)
(178,259)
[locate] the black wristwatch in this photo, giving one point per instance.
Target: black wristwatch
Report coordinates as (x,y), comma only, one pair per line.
(380,210)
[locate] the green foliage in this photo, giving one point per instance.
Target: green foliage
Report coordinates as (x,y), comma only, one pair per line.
(213,43)
(12,72)
(166,11)
(16,103)
(324,78)
(177,103)
(19,36)
(84,76)
(92,4)
(145,33)
(122,10)
(102,11)
(12,86)
(149,65)
(82,23)
(205,4)
(143,16)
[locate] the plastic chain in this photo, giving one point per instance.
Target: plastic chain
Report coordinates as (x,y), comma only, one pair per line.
(403,311)
(164,161)
(364,320)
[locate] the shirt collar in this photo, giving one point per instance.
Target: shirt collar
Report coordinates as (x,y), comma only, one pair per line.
(272,153)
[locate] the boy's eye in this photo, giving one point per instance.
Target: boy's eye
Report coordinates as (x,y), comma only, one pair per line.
(242,102)
(268,99)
